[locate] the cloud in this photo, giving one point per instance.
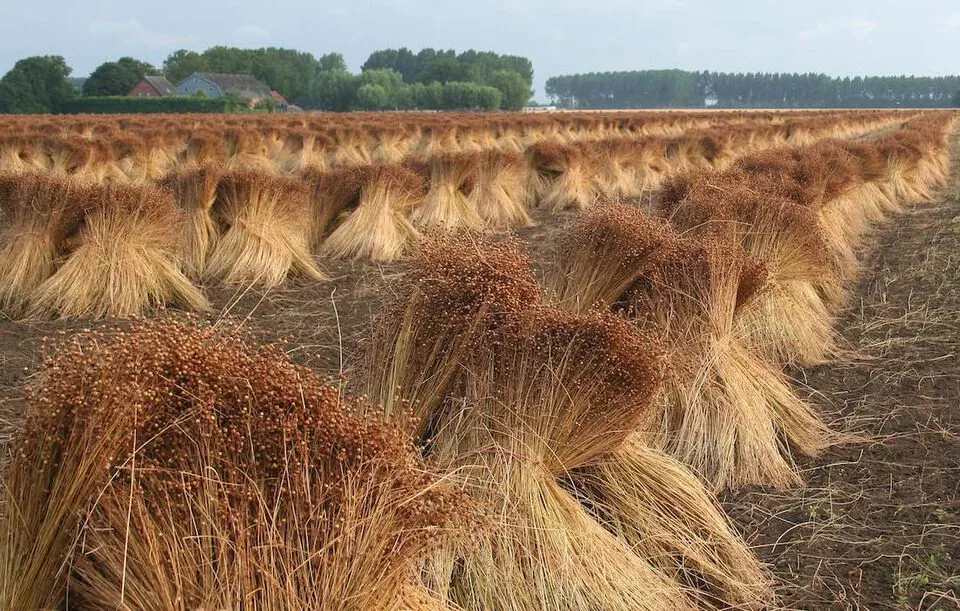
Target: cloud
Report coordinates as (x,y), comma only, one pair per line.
(252,32)
(818,31)
(861,28)
(133,33)
(951,22)
(856,27)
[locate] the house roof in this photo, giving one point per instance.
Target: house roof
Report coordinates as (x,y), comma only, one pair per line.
(236,83)
(161,84)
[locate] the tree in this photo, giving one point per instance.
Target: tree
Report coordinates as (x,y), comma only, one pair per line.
(955,100)
(378,60)
(77,82)
(489,98)
(36,85)
(288,71)
(673,88)
(427,96)
(443,70)
(332,90)
(333,61)
(511,75)
(388,78)
(116,78)
(469,96)
(182,63)
(372,97)
(135,65)
(404,98)
(514,91)
(402,60)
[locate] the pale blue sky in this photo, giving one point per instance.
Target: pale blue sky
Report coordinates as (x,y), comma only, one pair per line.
(839,37)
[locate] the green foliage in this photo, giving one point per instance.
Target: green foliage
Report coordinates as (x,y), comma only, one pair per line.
(430,65)
(382,89)
(372,97)
(77,82)
(236,101)
(332,90)
(182,63)
(427,97)
(36,85)
(454,95)
(480,66)
(458,95)
(440,80)
(513,89)
(332,61)
(489,98)
(470,96)
(392,78)
(679,88)
(116,78)
(267,105)
(443,70)
(387,78)
(404,98)
(109,79)
(292,73)
(135,65)
(955,100)
(401,60)
(169,104)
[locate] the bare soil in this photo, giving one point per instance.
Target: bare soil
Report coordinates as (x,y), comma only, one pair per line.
(878,524)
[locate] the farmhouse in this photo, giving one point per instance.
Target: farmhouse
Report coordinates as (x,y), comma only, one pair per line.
(152,87)
(215,85)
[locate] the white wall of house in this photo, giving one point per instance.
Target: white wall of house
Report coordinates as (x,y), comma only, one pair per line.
(195,83)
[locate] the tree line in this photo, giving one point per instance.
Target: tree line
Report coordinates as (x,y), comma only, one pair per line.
(685,89)
(390,79)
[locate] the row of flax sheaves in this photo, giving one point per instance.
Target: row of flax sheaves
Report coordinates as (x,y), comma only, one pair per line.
(366,137)
(75,242)
(131,149)
(507,439)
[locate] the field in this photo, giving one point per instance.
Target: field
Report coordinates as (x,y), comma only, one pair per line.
(551,361)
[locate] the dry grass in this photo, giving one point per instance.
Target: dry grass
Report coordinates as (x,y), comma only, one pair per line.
(40,213)
(166,488)
(265,230)
(123,261)
(190,469)
(448,203)
(658,507)
(453,290)
(559,177)
(787,238)
(378,228)
(195,191)
(725,410)
(500,194)
(567,388)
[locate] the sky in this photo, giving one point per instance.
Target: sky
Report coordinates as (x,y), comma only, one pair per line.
(837,37)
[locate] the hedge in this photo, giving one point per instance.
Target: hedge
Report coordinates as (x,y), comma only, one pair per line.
(126,105)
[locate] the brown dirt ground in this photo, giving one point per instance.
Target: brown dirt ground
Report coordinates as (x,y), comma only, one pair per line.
(878,524)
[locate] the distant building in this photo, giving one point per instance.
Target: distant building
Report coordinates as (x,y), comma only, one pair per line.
(215,85)
(152,87)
